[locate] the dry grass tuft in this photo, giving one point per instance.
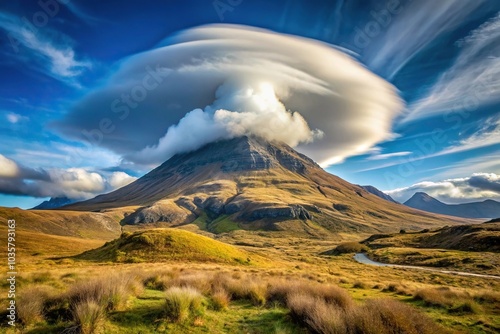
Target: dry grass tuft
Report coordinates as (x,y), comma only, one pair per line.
(180,303)
(444,297)
(30,306)
(111,292)
(220,299)
(89,316)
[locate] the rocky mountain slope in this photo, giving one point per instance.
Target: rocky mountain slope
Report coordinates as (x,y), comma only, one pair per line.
(376,192)
(485,209)
(248,183)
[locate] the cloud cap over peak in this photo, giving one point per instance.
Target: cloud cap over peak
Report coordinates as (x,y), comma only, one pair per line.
(312,88)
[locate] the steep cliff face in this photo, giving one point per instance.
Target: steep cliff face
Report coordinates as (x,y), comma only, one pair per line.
(254,184)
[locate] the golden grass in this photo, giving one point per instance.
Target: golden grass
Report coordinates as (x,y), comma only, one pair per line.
(168,244)
(183,302)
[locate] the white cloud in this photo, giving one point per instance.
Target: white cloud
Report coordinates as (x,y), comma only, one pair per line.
(8,167)
(57,59)
(477,187)
(75,183)
(471,82)
(14,118)
(259,113)
(213,68)
(120,179)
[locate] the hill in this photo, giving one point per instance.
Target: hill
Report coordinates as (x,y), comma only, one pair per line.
(477,237)
(87,225)
(169,244)
(249,183)
(485,209)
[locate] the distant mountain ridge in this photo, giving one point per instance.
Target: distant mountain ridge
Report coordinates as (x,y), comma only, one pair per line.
(486,209)
(54,203)
(379,193)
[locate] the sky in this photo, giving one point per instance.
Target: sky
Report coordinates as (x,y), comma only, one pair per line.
(403,95)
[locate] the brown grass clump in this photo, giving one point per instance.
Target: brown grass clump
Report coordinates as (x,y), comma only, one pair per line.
(393,317)
(350,247)
(360,285)
(399,289)
(220,299)
(318,315)
(375,316)
(279,291)
(180,303)
(89,316)
(111,292)
(444,297)
(247,288)
(30,306)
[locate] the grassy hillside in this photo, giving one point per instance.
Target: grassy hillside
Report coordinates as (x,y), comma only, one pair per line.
(169,244)
(87,225)
(479,237)
(469,248)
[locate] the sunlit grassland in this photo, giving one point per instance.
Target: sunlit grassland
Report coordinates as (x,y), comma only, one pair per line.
(292,259)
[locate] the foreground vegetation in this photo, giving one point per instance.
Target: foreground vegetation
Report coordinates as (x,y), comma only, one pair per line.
(182,300)
(162,281)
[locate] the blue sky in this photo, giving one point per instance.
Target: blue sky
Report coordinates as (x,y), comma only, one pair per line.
(417,108)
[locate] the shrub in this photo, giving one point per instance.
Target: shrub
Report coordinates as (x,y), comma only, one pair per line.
(89,316)
(351,247)
(180,303)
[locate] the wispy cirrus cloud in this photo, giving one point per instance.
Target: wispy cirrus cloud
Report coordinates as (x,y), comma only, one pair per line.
(43,49)
(471,82)
(388,155)
(419,24)
(486,135)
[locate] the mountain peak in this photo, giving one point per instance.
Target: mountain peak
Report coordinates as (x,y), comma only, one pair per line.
(245,153)
(421,196)
(248,182)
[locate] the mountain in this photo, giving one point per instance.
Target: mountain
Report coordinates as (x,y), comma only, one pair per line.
(249,183)
(376,192)
(485,209)
(53,203)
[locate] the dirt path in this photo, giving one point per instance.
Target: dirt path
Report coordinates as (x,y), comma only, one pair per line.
(362,258)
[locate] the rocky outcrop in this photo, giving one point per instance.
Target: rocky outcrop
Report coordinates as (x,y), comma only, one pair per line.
(287,212)
(167,212)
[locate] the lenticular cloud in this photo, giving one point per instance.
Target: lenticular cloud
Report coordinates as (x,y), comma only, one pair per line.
(221,81)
